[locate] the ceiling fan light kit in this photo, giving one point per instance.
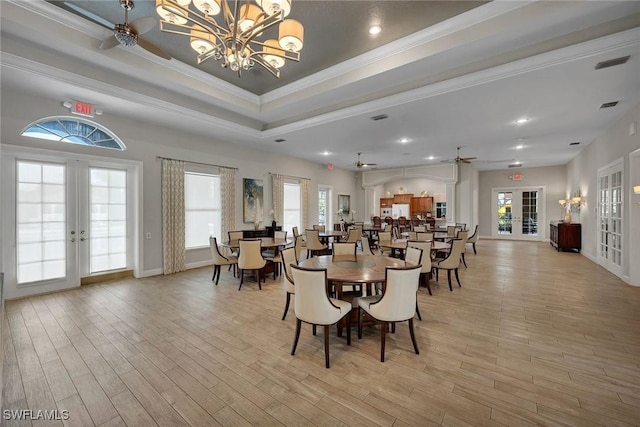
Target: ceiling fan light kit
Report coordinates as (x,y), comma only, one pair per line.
(359,164)
(232,37)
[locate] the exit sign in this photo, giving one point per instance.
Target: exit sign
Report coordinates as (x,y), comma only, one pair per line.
(517,177)
(82,109)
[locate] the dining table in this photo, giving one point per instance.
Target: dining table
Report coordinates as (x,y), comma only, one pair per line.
(398,246)
(325,236)
(362,269)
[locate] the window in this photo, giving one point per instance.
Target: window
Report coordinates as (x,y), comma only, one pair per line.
(322,206)
(441,209)
(202,205)
(74,131)
(292,213)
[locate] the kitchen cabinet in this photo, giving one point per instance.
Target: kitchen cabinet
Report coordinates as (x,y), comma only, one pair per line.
(421,205)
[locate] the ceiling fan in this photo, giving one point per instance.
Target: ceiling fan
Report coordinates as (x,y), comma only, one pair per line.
(359,164)
(126,34)
(459,159)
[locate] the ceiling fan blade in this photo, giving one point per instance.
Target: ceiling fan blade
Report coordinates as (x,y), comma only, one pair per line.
(89,15)
(143,25)
(468,158)
(150,47)
(109,42)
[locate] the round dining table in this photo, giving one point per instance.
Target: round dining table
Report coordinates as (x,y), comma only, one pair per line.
(401,245)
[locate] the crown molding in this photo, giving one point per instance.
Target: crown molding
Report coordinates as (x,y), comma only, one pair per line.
(548,59)
(85,26)
(457,23)
(27,66)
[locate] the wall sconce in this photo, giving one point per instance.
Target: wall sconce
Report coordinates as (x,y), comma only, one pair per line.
(636,189)
(577,202)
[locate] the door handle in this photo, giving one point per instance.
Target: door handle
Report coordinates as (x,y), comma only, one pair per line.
(72,240)
(82,239)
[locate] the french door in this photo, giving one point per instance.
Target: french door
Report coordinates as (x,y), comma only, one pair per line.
(518,213)
(610,219)
(72,219)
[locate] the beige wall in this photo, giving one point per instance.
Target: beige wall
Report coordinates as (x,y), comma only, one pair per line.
(582,172)
(144,142)
(553,178)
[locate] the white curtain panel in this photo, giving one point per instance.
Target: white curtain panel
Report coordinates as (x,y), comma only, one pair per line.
(278,197)
(173,245)
(228,196)
(304,189)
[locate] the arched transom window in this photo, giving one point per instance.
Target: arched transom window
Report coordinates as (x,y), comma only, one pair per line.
(74,131)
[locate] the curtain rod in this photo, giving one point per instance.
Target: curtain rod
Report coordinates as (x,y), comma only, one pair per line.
(195,163)
(289,176)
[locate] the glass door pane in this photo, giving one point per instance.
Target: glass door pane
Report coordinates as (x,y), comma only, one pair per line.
(41,216)
(322,207)
(107,219)
(616,219)
(505,205)
(529,213)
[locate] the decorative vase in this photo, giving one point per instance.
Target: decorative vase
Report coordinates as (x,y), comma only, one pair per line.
(273,225)
(256,225)
(567,216)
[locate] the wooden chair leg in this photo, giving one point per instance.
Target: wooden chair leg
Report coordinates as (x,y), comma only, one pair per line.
(418,310)
(215,269)
(457,278)
(257,273)
(349,328)
(241,273)
(463,260)
(474,249)
(359,323)
(425,279)
(383,333)
(315,329)
(449,279)
(295,340)
(286,307)
(413,337)
(326,345)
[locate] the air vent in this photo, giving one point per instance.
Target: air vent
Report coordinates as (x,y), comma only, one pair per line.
(574,143)
(279,140)
(609,104)
(380,117)
(612,62)
(515,165)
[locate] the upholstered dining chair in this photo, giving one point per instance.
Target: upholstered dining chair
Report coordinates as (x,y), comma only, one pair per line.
(462,235)
(314,245)
(234,235)
(451,230)
(273,254)
(344,248)
(298,246)
(250,258)
(413,256)
(320,228)
(425,272)
(219,260)
(354,234)
(296,233)
(451,262)
(474,239)
(420,228)
(288,257)
(410,235)
(366,248)
(384,236)
(312,305)
(377,222)
(396,304)
(424,235)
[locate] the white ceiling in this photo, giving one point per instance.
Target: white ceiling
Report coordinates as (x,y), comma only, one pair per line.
(461,82)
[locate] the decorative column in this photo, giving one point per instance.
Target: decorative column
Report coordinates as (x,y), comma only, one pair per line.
(451,202)
(369,203)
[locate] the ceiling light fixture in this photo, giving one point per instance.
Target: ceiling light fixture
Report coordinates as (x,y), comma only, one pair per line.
(404,140)
(522,121)
(430,158)
(375,29)
(325,153)
(232,37)
(519,147)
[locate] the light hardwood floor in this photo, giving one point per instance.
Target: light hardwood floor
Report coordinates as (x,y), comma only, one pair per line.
(533,337)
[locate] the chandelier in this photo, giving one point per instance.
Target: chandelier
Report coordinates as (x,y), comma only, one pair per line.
(232,37)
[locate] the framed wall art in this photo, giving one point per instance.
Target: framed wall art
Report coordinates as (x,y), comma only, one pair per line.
(252,200)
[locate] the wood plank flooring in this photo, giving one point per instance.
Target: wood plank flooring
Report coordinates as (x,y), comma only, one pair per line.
(533,337)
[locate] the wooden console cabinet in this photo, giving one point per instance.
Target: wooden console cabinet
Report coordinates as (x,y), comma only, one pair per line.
(564,235)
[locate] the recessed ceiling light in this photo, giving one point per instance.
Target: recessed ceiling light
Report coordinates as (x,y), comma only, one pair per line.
(522,121)
(430,158)
(403,140)
(325,153)
(375,29)
(519,147)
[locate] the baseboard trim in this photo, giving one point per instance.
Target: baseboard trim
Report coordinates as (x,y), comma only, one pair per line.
(198,264)
(149,273)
